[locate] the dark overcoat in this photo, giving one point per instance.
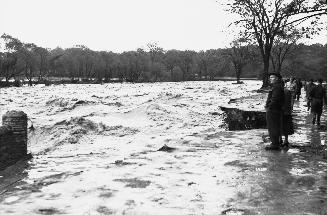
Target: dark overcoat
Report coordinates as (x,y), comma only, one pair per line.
(274,112)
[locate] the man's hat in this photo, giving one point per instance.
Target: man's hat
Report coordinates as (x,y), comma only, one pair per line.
(276,74)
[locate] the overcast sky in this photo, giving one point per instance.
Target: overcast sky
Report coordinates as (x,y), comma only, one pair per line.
(117,25)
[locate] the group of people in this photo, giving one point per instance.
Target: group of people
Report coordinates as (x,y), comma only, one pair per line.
(279,107)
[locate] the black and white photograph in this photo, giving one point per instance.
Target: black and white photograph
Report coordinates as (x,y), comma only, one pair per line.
(163,107)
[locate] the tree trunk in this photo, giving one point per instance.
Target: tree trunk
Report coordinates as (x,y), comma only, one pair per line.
(265,77)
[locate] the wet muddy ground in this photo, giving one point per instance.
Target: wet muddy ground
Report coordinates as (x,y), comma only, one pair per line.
(96,151)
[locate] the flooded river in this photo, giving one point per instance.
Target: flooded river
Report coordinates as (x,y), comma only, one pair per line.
(96,151)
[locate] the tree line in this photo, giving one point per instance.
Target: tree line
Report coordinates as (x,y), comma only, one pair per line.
(268,40)
(19,60)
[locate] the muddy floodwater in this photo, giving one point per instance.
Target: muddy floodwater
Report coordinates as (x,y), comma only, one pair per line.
(96,151)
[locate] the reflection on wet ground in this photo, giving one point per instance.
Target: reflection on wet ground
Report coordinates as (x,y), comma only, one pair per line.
(210,170)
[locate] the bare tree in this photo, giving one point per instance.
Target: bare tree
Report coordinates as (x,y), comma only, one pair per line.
(263,20)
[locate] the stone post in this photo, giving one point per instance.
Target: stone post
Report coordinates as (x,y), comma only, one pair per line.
(17,121)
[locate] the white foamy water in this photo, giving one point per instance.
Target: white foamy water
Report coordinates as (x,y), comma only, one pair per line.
(161,108)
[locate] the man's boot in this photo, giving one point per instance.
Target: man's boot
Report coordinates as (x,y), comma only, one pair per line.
(275,145)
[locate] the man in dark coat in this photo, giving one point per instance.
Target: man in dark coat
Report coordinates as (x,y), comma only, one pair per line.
(318,95)
(274,110)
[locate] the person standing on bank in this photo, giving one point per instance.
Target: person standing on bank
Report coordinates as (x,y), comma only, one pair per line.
(274,110)
(308,88)
(318,95)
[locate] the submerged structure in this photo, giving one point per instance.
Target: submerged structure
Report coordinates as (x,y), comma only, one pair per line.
(238,119)
(245,113)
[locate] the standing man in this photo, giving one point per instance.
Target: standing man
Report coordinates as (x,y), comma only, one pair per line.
(318,95)
(274,110)
(308,88)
